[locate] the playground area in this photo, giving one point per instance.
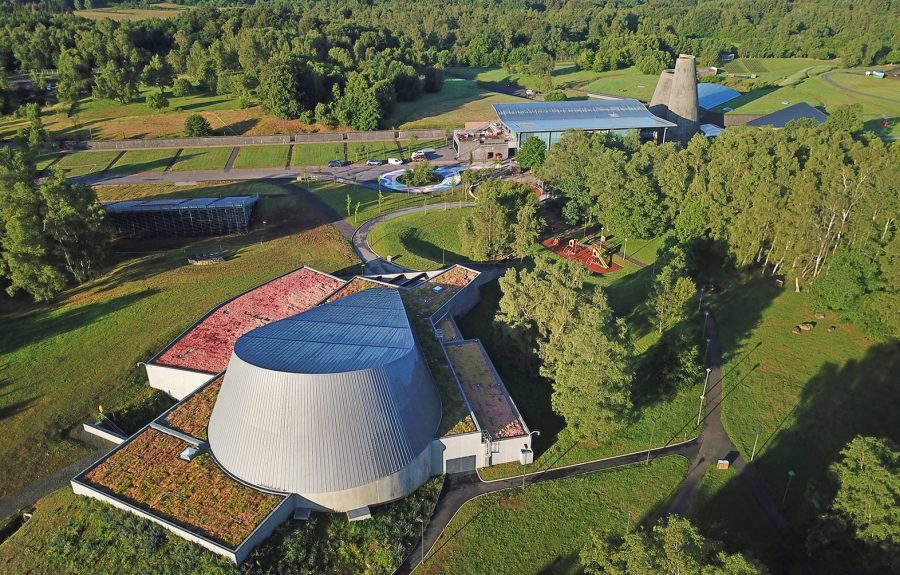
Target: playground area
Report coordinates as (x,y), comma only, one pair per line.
(450,178)
(592,255)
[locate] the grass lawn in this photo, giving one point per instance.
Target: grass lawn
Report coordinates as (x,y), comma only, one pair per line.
(878,98)
(316,154)
(137,161)
(45,159)
(627,83)
(422,241)
(566,75)
(459,101)
(810,394)
(725,510)
(85,163)
(542,529)
(202,159)
(362,151)
(87,342)
(165,10)
(261,157)
(777,70)
(335,195)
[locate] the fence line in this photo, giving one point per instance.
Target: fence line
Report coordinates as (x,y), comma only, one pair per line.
(214,141)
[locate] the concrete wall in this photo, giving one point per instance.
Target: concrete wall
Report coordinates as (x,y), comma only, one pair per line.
(278,516)
(106,434)
(231,141)
(508,450)
(453,447)
(179,383)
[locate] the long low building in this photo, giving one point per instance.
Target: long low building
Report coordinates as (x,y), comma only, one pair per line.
(548,121)
(181,217)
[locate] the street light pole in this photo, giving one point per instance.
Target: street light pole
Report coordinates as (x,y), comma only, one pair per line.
(705,321)
(649,447)
(422,540)
(703,395)
(700,305)
(755,441)
(526,451)
(791,475)
(625,250)
(706,353)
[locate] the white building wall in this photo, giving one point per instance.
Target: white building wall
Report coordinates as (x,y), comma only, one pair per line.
(454,447)
(507,450)
(179,383)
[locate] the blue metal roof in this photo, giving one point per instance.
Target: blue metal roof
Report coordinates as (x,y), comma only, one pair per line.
(179,204)
(364,330)
(711,95)
(781,117)
(579,114)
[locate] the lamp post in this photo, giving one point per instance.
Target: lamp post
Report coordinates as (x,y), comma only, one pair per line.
(703,396)
(650,447)
(706,353)
(422,540)
(791,475)
(625,250)
(700,305)
(527,455)
(705,321)
(755,441)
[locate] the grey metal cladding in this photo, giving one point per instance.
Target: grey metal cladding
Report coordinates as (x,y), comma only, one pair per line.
(315,426)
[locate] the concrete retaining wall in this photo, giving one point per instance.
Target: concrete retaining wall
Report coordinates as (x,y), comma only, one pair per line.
(102,433)
(231,141)
(177,382)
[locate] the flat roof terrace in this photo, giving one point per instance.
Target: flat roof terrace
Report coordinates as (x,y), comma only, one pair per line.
(207,345)
(494,409)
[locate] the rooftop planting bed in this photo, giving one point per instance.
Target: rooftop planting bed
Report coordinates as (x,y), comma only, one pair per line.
(486,393)
(208,345)
(437,291)
(192,415)
(197,495)
(353,286)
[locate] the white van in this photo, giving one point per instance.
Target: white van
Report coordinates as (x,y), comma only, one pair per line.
(395,161)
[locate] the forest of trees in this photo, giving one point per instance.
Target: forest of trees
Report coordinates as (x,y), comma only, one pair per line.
(334,61)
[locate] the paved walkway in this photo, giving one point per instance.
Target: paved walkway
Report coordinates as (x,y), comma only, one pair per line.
(715,443)
(461,488)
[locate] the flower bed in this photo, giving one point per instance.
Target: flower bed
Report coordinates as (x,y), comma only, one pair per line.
(147,472)
(355,285)
(192,416)
(484,390)
(208,345)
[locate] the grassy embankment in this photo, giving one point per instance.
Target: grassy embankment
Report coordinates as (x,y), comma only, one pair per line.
(64,358)
(542,529)
(422,241)
(335,195)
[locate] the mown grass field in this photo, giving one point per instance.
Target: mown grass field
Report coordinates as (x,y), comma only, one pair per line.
(202,159)
(566,75)
(543,528)
(163,10)
(335,195)
(261,157)
(84,163)
(316,154)
(422,241)
(809,394)
(61,360)
(460,101)
(627,83)
(136,161)
(776,70)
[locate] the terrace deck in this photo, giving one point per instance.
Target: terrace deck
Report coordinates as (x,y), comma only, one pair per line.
(207,346)
(486,393)
(192,415)
(147,472)
(581,253)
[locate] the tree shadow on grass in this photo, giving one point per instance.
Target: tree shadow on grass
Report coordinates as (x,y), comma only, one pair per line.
(44,323)
(412,242)
(241,127)
(198,105)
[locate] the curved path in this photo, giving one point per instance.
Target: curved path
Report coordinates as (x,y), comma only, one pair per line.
(375,264)
(463,487)
(827,77)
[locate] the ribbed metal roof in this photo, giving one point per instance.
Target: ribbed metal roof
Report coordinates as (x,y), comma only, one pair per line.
(368,329)
(179,204)
(795,112)
(579,114)
(711,95)
(347,401)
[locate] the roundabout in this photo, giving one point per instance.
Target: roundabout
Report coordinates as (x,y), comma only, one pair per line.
(449,179)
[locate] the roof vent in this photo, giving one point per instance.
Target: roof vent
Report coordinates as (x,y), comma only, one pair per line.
(437,289)
(190,453)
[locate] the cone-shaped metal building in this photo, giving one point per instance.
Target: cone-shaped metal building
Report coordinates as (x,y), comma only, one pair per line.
(675,98)
(334,404)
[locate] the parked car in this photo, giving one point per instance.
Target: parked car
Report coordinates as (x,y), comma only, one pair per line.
(335,164)
(374,162)
(395,161)
(419,156)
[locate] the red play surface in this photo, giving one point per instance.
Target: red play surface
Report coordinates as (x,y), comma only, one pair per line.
(581,253)
(208,346)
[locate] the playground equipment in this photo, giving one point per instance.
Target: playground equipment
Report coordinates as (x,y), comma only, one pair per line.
(571,248)
(597,258)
